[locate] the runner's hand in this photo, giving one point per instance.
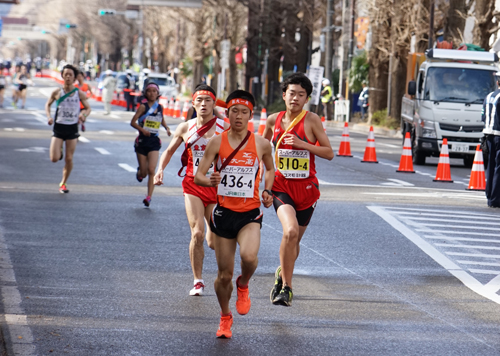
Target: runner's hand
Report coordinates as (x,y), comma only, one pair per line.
(81,118)
(168,131)
(146,133)
(159,178)
(267,199)
(50,121)
(292,140)
(215,179)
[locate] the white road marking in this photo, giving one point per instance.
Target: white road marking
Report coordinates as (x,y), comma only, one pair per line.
(15,317)
(8,129)
(493,285)
(452,220)
(127,167)
(401,182)
(460,239)
(19,129)
(83,139)
(477,247)
(39,117)
(479,263)
(32,149)
(102,151)
(388,145)
(391,217)
(106,132)
(484,271)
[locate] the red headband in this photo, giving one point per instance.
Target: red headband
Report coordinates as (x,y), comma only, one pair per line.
(241,102)
(203,92)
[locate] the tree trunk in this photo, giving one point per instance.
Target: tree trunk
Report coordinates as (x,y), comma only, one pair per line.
(454,23)
(483,10)
(253,43)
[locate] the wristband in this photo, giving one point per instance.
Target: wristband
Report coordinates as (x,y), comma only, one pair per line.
(268,192)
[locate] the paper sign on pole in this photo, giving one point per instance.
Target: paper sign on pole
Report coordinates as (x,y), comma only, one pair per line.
(315,75)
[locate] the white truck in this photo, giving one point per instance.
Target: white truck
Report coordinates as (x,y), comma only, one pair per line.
(445,101)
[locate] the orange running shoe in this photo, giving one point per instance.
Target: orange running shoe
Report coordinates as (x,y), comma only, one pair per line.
(243,302)
(226,322)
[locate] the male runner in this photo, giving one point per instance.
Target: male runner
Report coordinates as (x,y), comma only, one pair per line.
(199,201)
(68,116)
(294,133)
(237,218)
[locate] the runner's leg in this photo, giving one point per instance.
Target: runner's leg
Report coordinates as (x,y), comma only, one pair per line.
(210,237)
(142,160)
(152,162)
(195,215)
(289,248)
(1,96)
(249,241)
(55,151)
(68,159)
(23,96)
(223,285)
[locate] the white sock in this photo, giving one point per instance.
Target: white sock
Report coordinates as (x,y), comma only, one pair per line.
(198,280)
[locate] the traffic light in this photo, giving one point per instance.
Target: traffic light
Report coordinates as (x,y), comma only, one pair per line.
(70,25)
(106,12)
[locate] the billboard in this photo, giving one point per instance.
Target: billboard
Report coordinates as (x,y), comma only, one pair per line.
(170,3)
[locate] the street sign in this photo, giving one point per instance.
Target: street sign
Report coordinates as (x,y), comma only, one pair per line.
(315,75)
(169,3)
(225,47)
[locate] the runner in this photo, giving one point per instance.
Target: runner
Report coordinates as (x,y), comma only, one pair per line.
(237,218)
(199,201)
(294,133)
(3,83)
(15,86)
(83,87)
(147,121)
(68,116)
(23,80)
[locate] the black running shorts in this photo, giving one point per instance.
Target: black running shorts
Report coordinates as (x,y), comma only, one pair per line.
(22,87)
(303,216)
(227,223)
(66,132)
(143,144)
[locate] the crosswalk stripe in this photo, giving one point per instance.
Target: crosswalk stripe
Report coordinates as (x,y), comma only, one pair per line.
(127,167)
(102,151)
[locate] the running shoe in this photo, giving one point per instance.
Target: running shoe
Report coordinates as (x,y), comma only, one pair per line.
(243,302)
(14,105)
(63,189)
(285,297)
(278,285)
(197,290)
(147,201)
(226,322)
(139,178)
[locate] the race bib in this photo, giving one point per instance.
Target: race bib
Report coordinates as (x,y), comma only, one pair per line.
(152,125)
(293,164)
(197,156)
(237,182)
(67,116)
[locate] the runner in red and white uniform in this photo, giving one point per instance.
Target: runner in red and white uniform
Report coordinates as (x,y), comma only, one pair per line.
(199,201)
(294,134)
(237,218)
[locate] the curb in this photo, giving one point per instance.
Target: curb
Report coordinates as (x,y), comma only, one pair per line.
(365,128)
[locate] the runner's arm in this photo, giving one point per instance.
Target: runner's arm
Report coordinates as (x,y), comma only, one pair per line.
(211,151)
(267,159)
(269,130)
(164,124)
(48,104)
(86,105)
(136,117)
(169,152)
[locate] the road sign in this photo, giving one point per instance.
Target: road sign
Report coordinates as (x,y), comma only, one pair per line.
(315,75)
(170,3)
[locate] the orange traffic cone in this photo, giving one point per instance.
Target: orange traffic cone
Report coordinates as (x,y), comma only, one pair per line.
(443,173)
(406,162)
(170,111)
(477,179)
(345,145)
(370,154)
(251,126)
(164,104)
(185,110)
(262,122)
(177,109)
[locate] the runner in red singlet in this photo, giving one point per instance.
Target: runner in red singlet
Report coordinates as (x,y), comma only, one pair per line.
(294,134)
(199,201)
(237,218)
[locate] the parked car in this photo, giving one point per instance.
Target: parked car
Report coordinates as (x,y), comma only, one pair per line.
(168,87)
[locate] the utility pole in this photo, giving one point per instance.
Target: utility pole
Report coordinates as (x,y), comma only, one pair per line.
(328,49)
(431,26)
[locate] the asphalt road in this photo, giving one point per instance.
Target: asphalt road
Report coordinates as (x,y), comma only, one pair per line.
(391,264)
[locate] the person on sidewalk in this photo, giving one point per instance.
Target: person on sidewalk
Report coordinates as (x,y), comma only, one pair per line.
(108,90)
(237,217)
(294,134)
(147,120)
(199,201)
(84,87)
(68,116)
(326,97)
(363,100)
(129,89)
(491,118)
